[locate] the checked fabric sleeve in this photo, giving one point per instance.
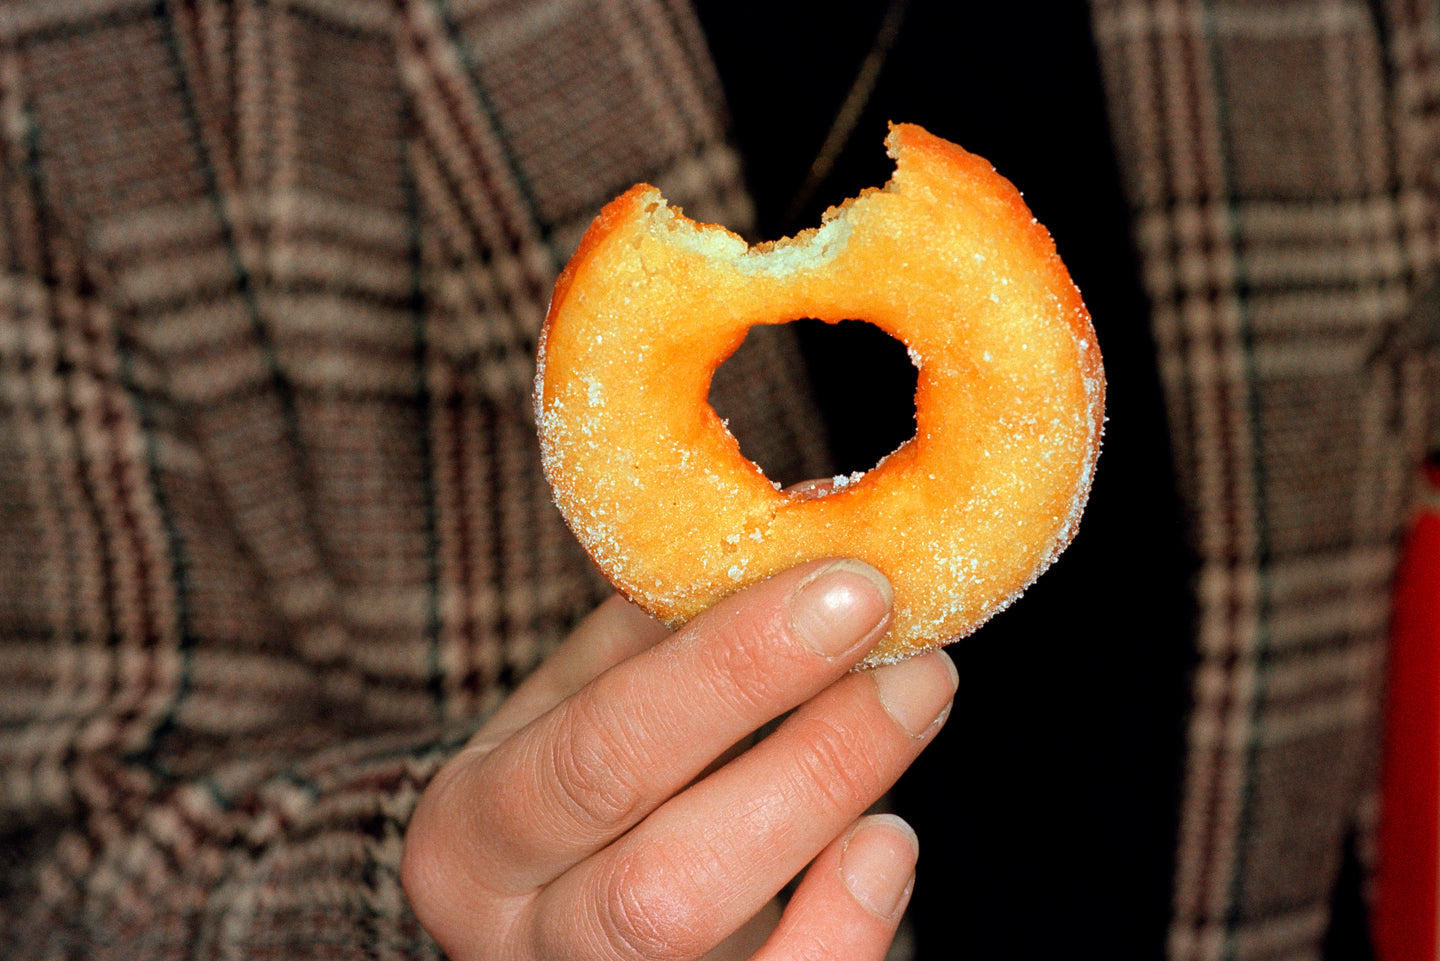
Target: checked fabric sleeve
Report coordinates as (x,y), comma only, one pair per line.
(273,533)
(1280,160)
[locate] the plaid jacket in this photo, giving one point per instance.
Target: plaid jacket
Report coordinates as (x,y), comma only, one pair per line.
(1280,159)
(274,534)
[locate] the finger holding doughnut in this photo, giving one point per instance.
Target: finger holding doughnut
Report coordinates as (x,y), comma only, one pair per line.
(711,857)
(1009,401)
(502,821)
(642,731)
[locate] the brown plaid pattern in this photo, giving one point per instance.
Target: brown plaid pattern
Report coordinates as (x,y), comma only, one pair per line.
(1280,160)
(274,530)
(274,534)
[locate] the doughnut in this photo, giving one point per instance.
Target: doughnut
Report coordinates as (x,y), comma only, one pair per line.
(1009,402)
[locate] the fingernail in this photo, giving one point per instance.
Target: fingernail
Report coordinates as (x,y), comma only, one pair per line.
(811,489)
(917,692)
(837,608)
(878,864)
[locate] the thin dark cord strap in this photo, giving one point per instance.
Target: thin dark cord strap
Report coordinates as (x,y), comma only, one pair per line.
(846,118)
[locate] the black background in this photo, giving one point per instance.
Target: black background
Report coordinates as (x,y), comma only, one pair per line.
(1046,809)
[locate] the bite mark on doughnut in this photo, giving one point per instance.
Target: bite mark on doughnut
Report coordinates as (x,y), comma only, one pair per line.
(945,258)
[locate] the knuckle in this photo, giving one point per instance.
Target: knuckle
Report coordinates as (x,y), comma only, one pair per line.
(831,767)
(743,665)
(428,864)
(653,910)
(820,946)
(592,774)
(435,871)
(423,872)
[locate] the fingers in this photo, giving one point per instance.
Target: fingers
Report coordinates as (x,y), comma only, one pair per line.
(852,898)
(588,771)
(511,819)
(697,867)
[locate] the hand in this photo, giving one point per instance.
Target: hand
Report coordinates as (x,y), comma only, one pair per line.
(590,819)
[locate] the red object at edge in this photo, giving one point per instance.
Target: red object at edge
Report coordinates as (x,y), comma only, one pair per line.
(1406,911)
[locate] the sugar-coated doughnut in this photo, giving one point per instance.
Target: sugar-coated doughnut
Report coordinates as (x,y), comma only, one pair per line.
(1009,405)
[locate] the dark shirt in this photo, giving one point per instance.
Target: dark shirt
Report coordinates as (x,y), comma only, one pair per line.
(1047,808)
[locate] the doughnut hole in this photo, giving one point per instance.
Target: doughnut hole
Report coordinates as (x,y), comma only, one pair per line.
(863,382)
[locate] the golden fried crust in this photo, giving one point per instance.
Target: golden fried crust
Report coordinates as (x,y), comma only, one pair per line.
(1009,402)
